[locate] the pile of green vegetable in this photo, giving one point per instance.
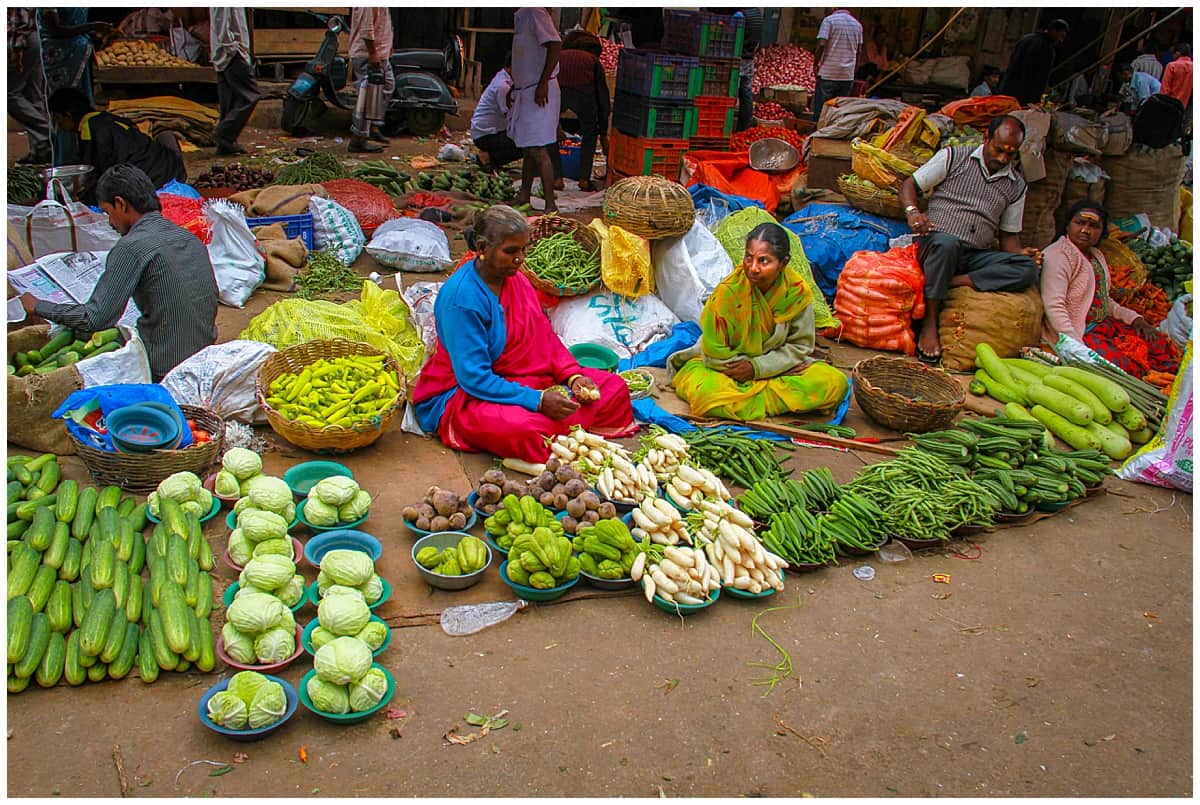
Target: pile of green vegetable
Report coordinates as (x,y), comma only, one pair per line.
(249,701)
(542,559)
(24,184)
(518,517)
(238,467)
(320,166)
(335,500)
(325,274)
(62,350)
(385,176)
(470,556)
(186,489)
(1167,266)
(336,392)
(79,607)
(605,549)
(259,627)
(341,613)
(732,454)
(563,262)
(349,572)
(345,681)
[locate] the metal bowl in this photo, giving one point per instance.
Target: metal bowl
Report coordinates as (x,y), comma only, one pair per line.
(773,155)
(442,540)
(74,177)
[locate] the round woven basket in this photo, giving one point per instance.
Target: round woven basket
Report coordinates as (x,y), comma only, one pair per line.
(332,438)
(142,472)
(1117,253)
(905,395)
(649,206)
(873,200)
(545,226)
(884,168)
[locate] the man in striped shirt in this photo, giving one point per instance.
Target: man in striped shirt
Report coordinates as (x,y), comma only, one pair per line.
(976,195)
(838,40)
(164,268)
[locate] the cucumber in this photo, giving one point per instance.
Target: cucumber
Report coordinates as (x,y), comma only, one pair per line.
(24,568)
(73,670)
(14,491)
(158,541)
(126,506)
(1066,385)
(56,554)
(17,529)
(97,672)
(120,586)
(16,684)
(175,617)
(177,559)
(96,622)
(137,518)
(78,609)
(195,536)
(109,497)
(70,566)
(104,564)
(85,511)
(172,517)
(167,660)
(50,669)
(137,559)
(43,585)
(20,626)
(207,659)
(51,475)
(193,648)
(1113,396)
(68,501)
(125,540)
(41,530)
(108,525)
(191,589)
(119,668)
(133,599)
(203,595)
(58,607)
(1066,406)
(115,637)
(147,664)
(39,641)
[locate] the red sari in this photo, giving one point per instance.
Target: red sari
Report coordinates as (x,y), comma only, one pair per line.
(533,356)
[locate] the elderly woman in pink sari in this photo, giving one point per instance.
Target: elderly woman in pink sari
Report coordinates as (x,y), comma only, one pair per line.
(488,385)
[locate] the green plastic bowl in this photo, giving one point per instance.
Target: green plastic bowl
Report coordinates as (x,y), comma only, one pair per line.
(736,593)
(533,593)
(232,589)
(314,597)
(306,637)
(303,477)
(595,356)
(683,609)
(345,718)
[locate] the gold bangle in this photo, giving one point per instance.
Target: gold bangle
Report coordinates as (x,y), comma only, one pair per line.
(573,378)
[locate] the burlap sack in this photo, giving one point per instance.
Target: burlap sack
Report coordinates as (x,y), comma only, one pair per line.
(284,258)
(19,253)
(268,202)
(1042,199)
(33,398)
(1145,181)
(1006,321)
(1075,191)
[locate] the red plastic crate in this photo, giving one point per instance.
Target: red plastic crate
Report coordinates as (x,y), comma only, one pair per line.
(709,144)
(716,117)
(640,156)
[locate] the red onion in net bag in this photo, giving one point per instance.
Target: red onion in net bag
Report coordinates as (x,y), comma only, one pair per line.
(784,64)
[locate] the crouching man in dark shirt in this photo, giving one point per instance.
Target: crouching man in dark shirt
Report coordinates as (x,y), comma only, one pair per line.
(164,268)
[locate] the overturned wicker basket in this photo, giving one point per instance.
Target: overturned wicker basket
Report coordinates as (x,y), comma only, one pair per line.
(332,438)
(649,206)
(545,226)
(874,200)
(142,472)
(905,395)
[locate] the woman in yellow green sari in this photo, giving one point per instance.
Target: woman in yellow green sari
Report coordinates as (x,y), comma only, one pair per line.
(753,357)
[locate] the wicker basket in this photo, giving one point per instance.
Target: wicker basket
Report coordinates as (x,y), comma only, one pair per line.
(1117,253)
(142,472)
(884,168)
(905,395)
(332,438)
(873,200)
(545,226)
(649,206)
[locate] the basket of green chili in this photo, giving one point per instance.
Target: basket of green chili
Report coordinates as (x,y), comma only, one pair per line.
(563,258)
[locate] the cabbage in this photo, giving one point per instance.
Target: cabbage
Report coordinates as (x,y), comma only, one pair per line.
(245,685)
(373,634)
(260,525)
(269,493)
(323,583)
(250,589)
(226,484)
(366,692)
(348,567)
(291,593)
(343,614)
(195,508)
(343,660)
(372,589)
(255,613)
(337,590)
(327,697)
(276,547)
(239,647)
(269,705)
(319,513)
(335,490)
(275,645)
(205,499)
(355,509)
(240,548)
(320,636)
(227,710)
(152,504)
(181,486)
(241,463)
(288,621)
(268,572)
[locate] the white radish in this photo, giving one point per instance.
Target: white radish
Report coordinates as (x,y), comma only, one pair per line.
(644,520)
(742,582)
(648,587)
(662,581)
(639,564)
(681,558)
(757,575)
(684,598)
(755,587)
(728,570)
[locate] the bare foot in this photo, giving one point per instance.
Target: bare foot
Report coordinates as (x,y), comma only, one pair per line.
(928,343)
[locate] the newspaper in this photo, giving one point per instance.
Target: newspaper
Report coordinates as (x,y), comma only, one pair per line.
(67,278)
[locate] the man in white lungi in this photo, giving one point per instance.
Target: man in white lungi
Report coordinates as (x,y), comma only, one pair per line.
(534,108)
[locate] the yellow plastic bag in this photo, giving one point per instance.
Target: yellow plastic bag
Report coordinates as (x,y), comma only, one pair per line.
(1185,219)
(379,318)
(624,260)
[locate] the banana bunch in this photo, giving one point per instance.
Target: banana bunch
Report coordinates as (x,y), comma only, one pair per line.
(727,535)
(663,452)
(690,486)
(656,520)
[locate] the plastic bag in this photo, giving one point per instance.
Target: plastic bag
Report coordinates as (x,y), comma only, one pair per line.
(129,364)
(59,224)
(624,325)
(110,398)
(878,297)
(978,112)
(237,262)
(1166,460)
(411,244)
(188,213)
(624,260)
(687,269)
(222,377)
(830,233)
(336,230)
(1178,324)
(711,262)
(450,152)
(420,297)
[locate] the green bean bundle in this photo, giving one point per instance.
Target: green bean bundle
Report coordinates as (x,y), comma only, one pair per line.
(313,169)
(24,184)
(326,274)
(732,455)
(561,261)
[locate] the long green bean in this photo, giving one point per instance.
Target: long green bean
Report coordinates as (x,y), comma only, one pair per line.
(562,261)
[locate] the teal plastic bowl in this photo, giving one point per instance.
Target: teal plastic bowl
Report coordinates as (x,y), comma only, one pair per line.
(346,718)
(314,596)
(303,477)
(595,356)
(336,527)
(342,539)
(216,507)
(684,609)
(736,593)
(232,589)
(141,429)
(532,593)
(247,734)
(231,520)
(306,637)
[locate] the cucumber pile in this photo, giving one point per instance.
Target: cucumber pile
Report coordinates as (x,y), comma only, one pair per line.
(62,350)
(396,182)
(1167,266)
(78,605)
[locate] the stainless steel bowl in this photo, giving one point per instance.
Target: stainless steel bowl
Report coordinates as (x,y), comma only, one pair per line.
(773,155)
(74,177)
(442,540)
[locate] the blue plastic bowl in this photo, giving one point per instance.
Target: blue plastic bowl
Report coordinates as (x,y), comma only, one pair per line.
(306,637)
(533,593)
(318,528)
(216,507)
(141,429)
(303,477)
(347,718)
(342,539)
(293,701)
(314,595)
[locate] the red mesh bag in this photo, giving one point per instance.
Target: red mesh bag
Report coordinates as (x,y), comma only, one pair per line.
(878,296)
(187,212)
(370,205)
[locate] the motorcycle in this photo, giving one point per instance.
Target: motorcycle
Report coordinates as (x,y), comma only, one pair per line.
(418,104)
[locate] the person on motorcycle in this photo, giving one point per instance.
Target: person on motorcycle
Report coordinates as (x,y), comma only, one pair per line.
(370,51)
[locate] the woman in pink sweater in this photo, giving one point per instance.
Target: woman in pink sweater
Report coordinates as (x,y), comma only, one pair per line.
(1077,300)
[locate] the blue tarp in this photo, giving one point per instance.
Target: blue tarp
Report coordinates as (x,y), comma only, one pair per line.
(830,233)
(703,195)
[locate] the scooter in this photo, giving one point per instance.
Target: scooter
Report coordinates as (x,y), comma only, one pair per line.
(418,104)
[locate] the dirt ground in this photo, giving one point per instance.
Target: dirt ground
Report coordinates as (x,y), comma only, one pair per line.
(1056,661)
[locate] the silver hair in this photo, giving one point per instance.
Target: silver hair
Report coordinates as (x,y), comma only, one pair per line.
(494,224)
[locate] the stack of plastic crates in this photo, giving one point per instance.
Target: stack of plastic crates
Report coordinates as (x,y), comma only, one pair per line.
(653,114)
(716,40)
